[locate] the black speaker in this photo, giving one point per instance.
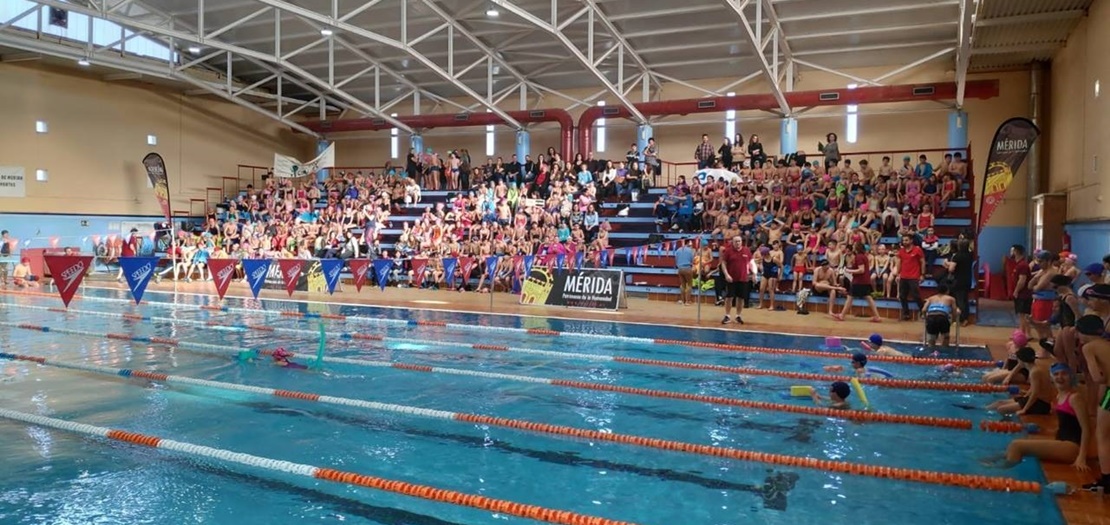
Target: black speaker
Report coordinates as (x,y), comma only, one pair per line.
(59,17)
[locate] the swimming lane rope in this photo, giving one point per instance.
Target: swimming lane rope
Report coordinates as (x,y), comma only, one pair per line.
(860,469)
(854,415)
(237,326)
(924,361)
(426,492)
(713,346)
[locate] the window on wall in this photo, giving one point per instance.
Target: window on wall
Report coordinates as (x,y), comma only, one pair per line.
(394,141)
(489,141)
(77,30)
(852,125)
(730,120)
(600,133)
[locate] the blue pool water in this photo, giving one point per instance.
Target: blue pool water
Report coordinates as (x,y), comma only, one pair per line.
(51,476)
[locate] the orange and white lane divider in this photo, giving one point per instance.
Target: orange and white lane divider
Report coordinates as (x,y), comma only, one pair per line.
(853,415)
(656,363)
(923,361)
(426,492)
(924,476)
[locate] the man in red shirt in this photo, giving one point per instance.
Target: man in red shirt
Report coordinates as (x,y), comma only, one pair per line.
(734,269)
(129,249)
(911,270)
(1023,295)
(859,267)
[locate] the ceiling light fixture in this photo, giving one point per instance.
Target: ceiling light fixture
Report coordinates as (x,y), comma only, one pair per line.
(493,12)
(326,32)
(194,50)
(83,62)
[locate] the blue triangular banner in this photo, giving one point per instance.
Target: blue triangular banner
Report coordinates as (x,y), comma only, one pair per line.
(138,271)
(381,271)
(331,268)
(449,265)
(528,260)
(579,258)
(491,268)
(256,270)
(560,259)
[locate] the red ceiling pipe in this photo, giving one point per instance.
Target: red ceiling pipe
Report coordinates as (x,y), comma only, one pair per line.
(982,89)
(566,122)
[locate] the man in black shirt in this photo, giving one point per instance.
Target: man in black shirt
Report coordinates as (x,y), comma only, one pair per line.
(960,269)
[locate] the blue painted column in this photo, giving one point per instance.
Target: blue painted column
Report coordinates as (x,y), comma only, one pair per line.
(957,130)
(643,133)
(417,143)
(788,128)
(321,145)
(523,145)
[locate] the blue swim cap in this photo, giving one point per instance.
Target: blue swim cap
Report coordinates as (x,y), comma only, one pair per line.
(1061,367)
(876,339)
(859,357)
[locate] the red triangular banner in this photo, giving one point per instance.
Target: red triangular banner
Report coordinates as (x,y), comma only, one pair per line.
(359,267)
(68,271)
(466,265)
(418,267)
(290,273)
(223,271)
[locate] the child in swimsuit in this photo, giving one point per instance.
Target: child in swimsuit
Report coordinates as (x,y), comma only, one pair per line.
(281,358)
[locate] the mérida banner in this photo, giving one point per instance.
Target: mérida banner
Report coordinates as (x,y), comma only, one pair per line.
(1010,146)
(586,288)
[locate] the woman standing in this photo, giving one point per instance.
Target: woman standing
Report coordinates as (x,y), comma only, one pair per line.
(831,151)
(739,153)
(755,151)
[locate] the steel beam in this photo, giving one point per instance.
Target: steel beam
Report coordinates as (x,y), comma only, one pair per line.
(963,55)
(257,56)
(327,21)
(871,11)
(1030,19)
(623,42)
(553,29)
(754,39)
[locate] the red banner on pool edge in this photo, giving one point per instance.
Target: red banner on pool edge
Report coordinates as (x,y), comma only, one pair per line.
(68,271)
(359,268)
(223,270)
(290,272)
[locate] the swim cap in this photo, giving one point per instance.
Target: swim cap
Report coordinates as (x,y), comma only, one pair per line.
(841,389)
(1019,338)
(1061,367)
(876,339)
(1098,291)
(1090,325)
(1095,268)
(859,357)
(764,250)
(1025,354)
(281,352)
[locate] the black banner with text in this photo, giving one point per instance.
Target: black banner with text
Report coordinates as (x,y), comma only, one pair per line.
(595,289)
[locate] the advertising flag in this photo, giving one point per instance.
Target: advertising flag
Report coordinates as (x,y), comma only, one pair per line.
(291,270)
(419,266)
(256,270)
(68,271)
(1009,148)
(359,267)
(138,271)
(449,266)
(156,171)
(332,268)
(491,268)
(288,167)
(223,270)
(381,271)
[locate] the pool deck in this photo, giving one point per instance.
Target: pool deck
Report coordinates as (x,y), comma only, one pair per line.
(1078,509)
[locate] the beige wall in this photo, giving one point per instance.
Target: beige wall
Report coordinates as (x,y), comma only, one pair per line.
(882,127)
(97,139)
(1080,121)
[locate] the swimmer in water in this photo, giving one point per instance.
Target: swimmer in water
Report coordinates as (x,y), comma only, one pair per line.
(859,365)
(838,396)
(875,344)
(281,358)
